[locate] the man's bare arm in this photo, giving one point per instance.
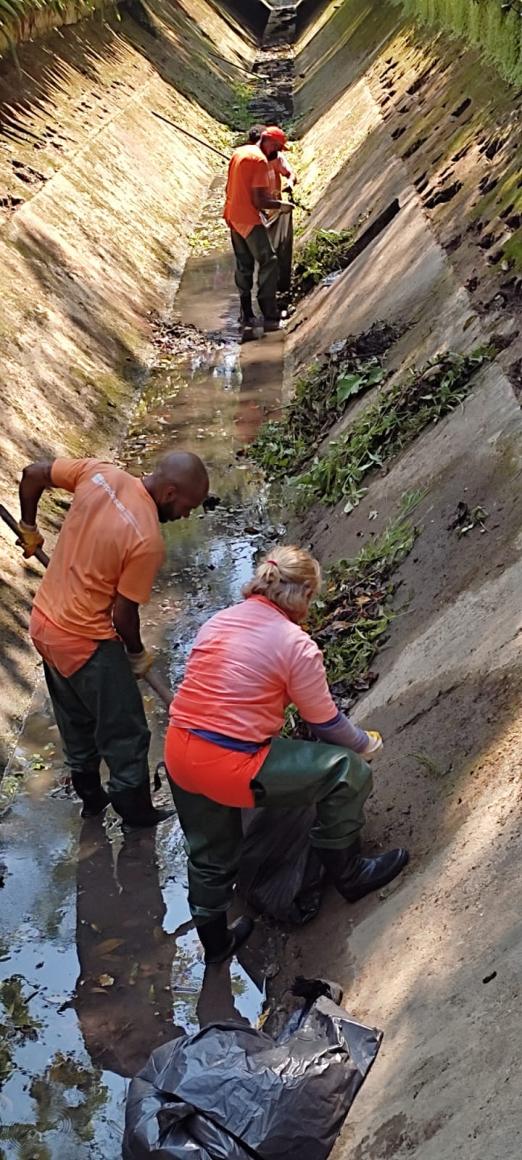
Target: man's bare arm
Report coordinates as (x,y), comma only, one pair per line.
(35,478)
(262,200)
(126,620)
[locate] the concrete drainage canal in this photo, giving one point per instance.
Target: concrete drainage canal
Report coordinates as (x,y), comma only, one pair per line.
(99,959)
(403,441)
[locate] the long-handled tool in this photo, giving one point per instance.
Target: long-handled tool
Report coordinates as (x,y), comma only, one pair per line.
(160,688)
(192,136)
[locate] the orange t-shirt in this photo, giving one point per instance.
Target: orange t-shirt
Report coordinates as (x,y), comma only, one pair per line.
(65,651)
(110,543)
(248,170)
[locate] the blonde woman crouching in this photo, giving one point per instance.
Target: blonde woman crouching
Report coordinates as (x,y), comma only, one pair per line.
(223,751)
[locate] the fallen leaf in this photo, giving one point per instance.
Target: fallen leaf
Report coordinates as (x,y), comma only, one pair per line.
(105,980)
(109,945)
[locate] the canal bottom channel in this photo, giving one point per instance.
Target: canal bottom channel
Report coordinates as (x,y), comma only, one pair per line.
(99,962)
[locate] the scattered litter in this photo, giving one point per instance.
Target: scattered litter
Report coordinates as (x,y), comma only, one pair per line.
(489,978)
(468,518)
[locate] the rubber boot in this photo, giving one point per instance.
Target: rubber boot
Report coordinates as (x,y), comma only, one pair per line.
(354,876)
(246,314)
(220,941)
(271,313)
(87,785)
(134,805)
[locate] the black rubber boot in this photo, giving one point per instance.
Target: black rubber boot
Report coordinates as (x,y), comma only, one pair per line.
(354,876)
(136,809)
(220,941)
(246,314)
(271,313)
(87,784)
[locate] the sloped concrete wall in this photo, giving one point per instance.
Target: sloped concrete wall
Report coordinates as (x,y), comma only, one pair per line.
(97,199)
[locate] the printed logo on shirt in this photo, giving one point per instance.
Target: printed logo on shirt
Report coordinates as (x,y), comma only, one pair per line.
(101,481)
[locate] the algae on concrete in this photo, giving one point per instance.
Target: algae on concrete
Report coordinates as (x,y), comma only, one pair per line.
(492,27)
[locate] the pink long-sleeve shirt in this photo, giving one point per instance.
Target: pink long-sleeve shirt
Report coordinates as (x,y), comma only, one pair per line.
(247,664)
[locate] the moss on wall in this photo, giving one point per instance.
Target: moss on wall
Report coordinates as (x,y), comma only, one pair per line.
(493,27)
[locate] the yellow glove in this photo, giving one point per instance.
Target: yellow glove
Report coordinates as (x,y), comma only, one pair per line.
(374,746)
(140,663)
(30,538)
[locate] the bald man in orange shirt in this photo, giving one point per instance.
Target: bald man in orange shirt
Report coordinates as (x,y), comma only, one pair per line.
(85,620)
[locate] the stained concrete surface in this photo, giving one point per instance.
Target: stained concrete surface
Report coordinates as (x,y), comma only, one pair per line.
(434,959)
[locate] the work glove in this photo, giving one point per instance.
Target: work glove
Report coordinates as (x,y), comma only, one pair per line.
(375,744)
(30,538)
(140,663)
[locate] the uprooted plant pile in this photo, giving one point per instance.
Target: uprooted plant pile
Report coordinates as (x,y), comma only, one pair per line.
(322,396)
(324,253)
(387,426)
(383,429)
(350,620)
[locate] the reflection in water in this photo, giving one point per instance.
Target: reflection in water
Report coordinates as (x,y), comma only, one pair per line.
(96,932)
(123,996)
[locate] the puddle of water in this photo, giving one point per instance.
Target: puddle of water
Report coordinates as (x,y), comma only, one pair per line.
(99,962)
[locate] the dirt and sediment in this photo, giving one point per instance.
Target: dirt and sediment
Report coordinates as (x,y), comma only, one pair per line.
(383,110)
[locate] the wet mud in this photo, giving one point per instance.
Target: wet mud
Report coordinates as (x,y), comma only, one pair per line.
(99,961)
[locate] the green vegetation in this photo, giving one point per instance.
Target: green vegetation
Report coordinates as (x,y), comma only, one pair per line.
(322,396)
(350,620)
(324,253)
(13,13)
(494,27)
(239,115)
(386,427)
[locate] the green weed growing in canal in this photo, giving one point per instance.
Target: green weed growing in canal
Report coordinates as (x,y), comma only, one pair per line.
(322,395)
(388,425)
(324,253)
(351,618)
(239,114)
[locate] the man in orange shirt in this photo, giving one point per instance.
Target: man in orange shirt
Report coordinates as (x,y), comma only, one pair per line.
(85,620)
(247,194)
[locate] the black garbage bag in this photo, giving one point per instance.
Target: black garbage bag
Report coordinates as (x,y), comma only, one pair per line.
(280,873)
(231,1092)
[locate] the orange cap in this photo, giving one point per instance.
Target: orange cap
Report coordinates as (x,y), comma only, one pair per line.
(278,135)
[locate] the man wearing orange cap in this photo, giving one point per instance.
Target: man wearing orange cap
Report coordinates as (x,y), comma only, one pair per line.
(248,193)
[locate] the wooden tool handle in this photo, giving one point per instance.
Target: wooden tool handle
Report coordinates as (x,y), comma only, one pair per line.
(160,688)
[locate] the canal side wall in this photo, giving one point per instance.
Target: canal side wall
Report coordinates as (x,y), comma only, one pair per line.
(97,201)
(387,109)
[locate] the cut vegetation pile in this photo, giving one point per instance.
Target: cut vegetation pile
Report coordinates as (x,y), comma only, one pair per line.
(325,253)
(389,424)
(350,620)
(322,396)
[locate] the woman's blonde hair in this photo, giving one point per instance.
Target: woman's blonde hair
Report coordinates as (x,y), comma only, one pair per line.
(288,576)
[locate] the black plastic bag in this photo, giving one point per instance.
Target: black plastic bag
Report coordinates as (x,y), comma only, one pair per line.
(280,873)
(231,1092)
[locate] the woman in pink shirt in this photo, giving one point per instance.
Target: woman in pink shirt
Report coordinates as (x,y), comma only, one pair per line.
(223,751)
